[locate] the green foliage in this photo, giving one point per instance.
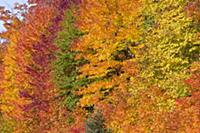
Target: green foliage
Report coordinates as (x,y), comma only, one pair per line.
(70,120)
(66,66)
(95,124)
(6,125)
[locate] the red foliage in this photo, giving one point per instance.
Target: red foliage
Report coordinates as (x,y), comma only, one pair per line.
(186,117)
(194,80)
(35,54)
(78,130)
(193,10)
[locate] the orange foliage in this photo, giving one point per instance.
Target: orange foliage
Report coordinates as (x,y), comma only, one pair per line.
(110,45)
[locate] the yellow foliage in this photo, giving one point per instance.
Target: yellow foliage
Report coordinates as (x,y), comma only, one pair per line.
(10,86)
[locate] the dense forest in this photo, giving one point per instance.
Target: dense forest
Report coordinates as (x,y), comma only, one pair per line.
(100,66)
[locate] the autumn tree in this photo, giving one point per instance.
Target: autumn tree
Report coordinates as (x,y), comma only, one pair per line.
(170,50)
(9,99)
(35,54)
(186,117)
(171,45)
(109,45)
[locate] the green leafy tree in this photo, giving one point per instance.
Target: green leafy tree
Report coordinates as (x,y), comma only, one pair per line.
(65,65)
(95,124)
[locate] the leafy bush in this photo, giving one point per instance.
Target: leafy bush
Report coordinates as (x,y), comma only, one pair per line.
(95,124)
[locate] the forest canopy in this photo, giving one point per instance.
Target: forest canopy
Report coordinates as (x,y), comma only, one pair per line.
(100,66)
